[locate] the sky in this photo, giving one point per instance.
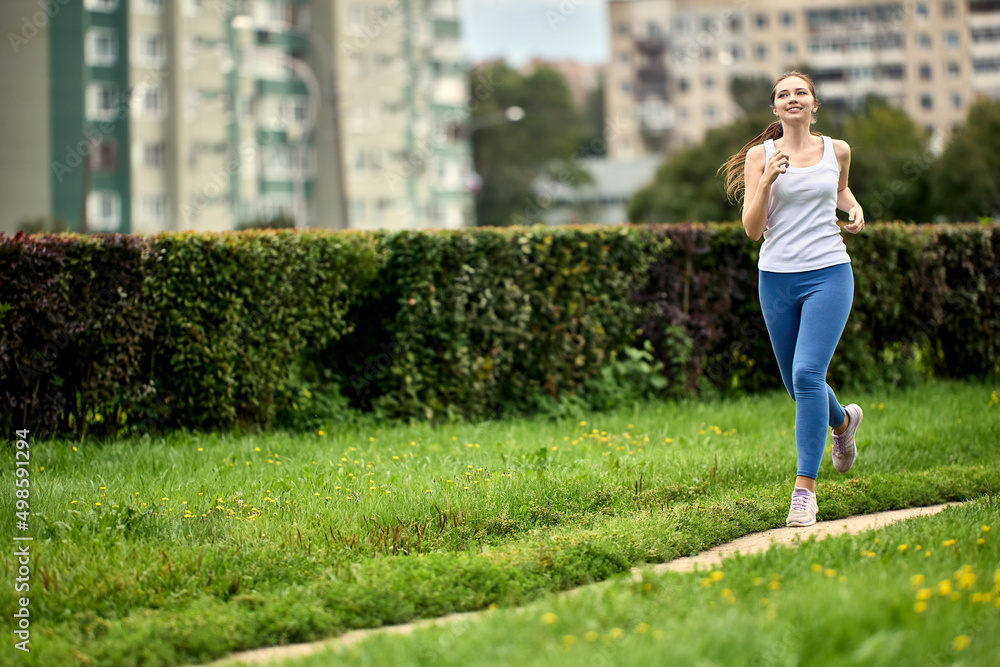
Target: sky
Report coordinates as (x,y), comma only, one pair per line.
(519,30)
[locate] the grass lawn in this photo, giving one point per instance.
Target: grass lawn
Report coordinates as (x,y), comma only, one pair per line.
(179,550)
(923,592)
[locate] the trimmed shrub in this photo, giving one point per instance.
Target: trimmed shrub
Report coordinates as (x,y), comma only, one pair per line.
(219,330)
(462,323)
(74,330)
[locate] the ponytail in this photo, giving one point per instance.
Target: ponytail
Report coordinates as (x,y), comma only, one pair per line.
(732,170)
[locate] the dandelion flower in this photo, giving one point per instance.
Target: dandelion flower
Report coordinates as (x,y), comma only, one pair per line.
(944,588)
(642,628)
(986,529)
(917,580)
(549,618)
(718,575)
(920,607)
(830,572)
(568,640)
(902,548)
(591,636)
(961,642)
(948,543)
(816,567)
(617,633)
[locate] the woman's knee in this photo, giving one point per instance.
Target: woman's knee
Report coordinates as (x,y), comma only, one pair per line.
(807,378)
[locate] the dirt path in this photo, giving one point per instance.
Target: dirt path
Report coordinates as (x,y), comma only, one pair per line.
(746,545)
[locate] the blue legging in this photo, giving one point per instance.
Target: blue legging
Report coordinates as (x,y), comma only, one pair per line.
(805,315)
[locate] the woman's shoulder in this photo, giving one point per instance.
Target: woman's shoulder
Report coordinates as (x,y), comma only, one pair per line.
(841,148)
(756,153)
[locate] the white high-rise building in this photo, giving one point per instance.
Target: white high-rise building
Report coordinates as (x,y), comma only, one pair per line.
(672,60)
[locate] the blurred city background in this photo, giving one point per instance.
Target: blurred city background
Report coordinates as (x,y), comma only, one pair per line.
(140,116)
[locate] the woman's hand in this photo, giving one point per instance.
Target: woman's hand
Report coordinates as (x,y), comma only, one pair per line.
(856,219)
(775,166)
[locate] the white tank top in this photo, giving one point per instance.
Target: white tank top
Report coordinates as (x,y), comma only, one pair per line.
(802,232)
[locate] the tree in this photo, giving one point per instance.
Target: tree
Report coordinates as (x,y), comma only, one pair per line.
(890,163)
(965,177)
(687,188)
(509,156)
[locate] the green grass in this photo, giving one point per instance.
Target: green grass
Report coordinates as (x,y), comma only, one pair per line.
(922,592)
(176,551)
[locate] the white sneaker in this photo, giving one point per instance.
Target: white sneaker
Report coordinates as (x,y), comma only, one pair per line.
(845,450)
(803,510)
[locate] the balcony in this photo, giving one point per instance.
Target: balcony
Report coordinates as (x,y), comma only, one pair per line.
(651,46)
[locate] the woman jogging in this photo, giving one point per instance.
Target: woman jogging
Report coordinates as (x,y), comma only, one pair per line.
(792,182)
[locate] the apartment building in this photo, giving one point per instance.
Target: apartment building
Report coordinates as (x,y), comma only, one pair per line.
(404,102)
(672,60)
(140,116)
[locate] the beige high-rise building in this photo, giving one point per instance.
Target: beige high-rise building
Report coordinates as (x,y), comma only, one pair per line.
(672,61)
(403,97)
(140,116)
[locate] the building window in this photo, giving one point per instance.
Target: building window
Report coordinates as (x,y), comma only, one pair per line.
(954,70)
(624,57)
(924,41)
(956,100)
(153,153)
(358,210)
(710,113)
(626,87)
(104,210)
(760,51)
(735,24)
(106,6)
(154,101)
(951,39)
(102,100)
(761,21)
(149,6)
(926,102)
(923,13)
(948,9)
(925,72)
(151,49)
(736,51)
(709,83)
(682,85)
(105,156)
(787,19)
(153,208)
(102,47)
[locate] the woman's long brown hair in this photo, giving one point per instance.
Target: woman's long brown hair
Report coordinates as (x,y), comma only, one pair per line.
(732,170)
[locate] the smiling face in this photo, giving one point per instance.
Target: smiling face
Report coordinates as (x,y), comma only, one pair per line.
(794,99)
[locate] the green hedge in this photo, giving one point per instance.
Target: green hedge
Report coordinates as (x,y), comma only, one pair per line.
(216,330)
(462,323)
(177,330)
